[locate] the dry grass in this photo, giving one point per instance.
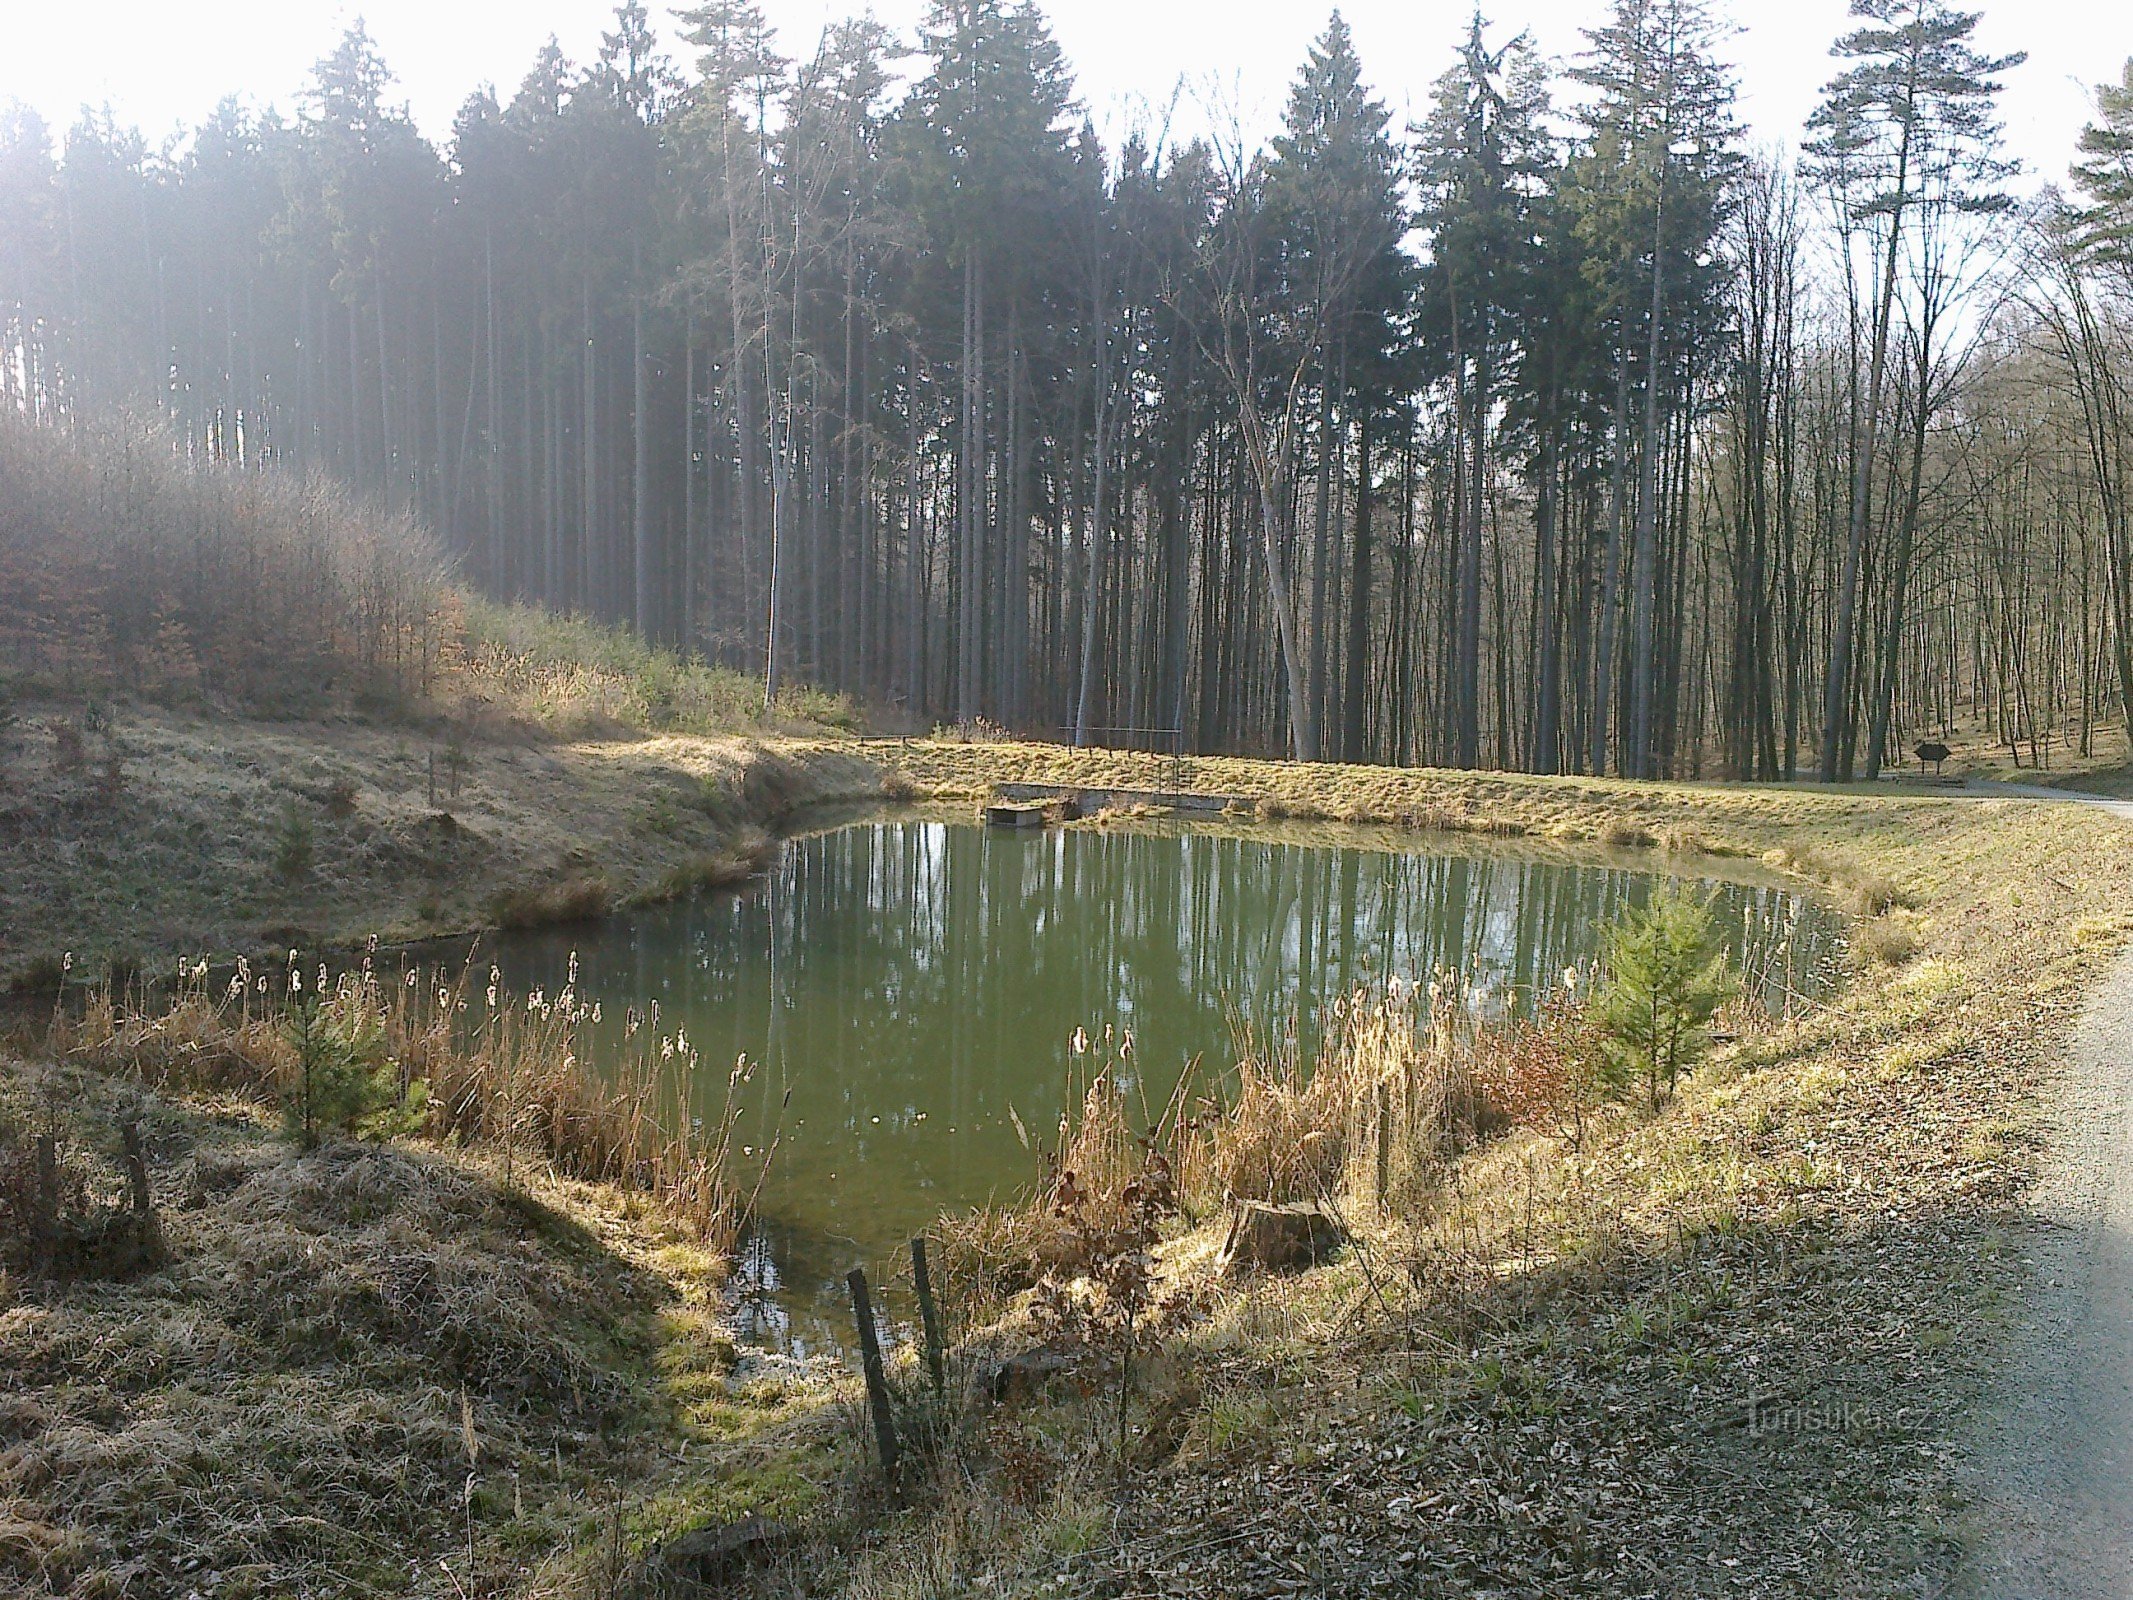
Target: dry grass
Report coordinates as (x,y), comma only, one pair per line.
(1571,1323)
(1883,941)
(576,679)
(362,1370)
(487,1068)
(181,858)
(1401,1069)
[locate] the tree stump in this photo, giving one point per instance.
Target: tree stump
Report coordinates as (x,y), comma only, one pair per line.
(1268,1238)
(1019,1377)
(710,1556)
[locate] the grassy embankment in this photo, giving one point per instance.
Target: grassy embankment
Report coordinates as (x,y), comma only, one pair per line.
(1733,1347)
(239,711)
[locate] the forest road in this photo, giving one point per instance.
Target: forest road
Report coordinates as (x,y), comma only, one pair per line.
(2056,1463)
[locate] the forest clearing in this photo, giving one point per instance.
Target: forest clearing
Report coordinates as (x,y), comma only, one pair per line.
(793,825)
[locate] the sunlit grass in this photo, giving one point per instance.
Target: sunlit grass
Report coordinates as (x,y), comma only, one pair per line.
(577,678)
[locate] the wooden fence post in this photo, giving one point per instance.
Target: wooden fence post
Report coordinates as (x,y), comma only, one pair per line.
(137,1193)
(877,1379)
(929,1315)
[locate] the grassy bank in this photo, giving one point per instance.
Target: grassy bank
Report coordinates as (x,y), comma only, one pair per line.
(1727,1348)
(363,1369)
(160,834)
(1732,1348)
(244,709)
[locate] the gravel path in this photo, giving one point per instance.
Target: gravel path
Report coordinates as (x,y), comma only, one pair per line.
(2057,1499)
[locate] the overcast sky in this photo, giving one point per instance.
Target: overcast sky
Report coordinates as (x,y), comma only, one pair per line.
(161,65)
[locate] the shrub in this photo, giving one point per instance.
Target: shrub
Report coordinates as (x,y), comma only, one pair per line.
(1618,833)
(294,845)
(1667,975)
(128,563)
(1882,942)
(539,905)
(1873,896)
(1548,1072)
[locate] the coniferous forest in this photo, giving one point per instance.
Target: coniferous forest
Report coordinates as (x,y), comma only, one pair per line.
(1566,429)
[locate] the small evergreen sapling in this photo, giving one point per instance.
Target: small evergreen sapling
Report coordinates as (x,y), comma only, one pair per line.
(1667,975)
(345,1080)
(293,842)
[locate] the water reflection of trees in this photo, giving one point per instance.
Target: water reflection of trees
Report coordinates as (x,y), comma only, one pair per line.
(899,981)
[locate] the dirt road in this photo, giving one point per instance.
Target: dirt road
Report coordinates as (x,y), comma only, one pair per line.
(2056,1464)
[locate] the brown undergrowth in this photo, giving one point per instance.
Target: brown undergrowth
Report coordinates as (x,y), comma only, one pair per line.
(361,1369)
(403,1366)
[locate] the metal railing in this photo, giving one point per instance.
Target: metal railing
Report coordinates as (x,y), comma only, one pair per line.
(1142,740)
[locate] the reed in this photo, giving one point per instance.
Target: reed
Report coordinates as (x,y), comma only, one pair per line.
(1407,1080)
(1398,1071)
(487,1068)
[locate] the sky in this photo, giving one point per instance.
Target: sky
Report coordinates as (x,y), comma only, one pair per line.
(161,66)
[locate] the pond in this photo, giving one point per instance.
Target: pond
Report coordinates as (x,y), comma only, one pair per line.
(908,988)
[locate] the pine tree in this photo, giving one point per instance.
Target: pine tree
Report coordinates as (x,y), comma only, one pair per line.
(1479,164)
(2103,172)
(1667,973)
(1661,133)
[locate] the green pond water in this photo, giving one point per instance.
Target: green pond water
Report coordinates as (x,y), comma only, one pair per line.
(909,989)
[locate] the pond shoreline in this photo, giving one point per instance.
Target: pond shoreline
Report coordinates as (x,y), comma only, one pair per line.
(905,984)
(1826,1223)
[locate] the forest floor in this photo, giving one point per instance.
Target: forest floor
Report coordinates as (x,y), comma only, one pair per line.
(1734,1349)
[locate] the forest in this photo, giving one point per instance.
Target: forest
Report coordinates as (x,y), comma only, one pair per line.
(1564,430)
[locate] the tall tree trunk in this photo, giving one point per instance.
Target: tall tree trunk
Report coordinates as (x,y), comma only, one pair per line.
(1547,671)
(1355,709)
(640,461)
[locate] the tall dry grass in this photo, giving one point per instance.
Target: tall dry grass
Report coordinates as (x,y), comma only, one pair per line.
(1398,1075)
(1407,1079)
(495,1070)
(127,565)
